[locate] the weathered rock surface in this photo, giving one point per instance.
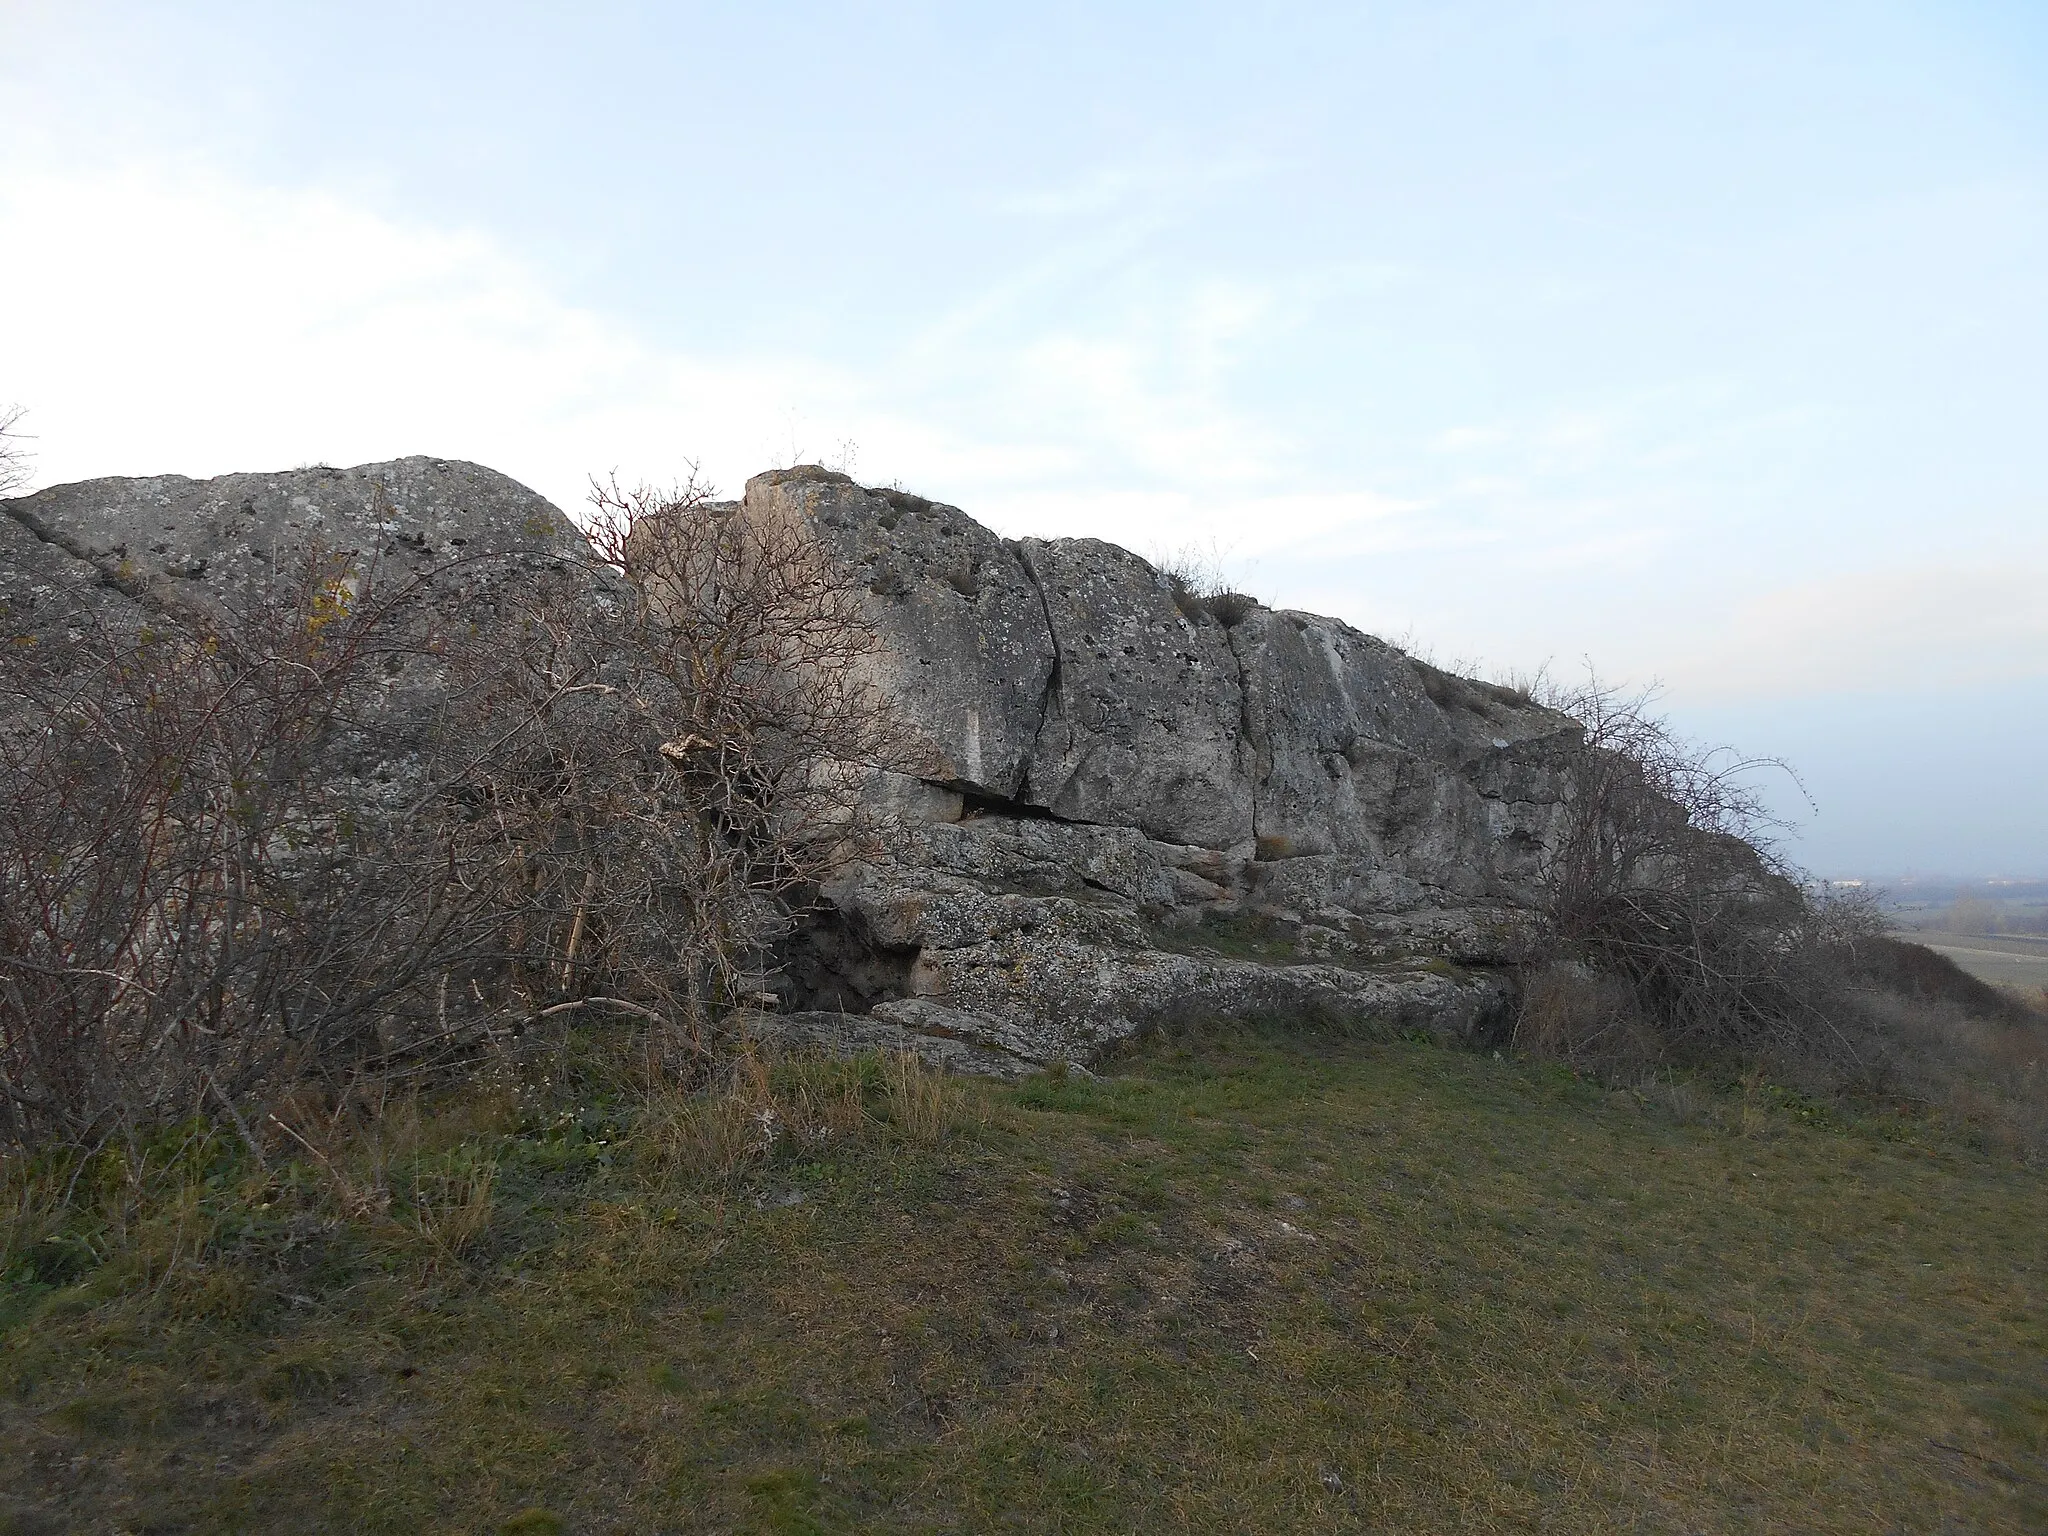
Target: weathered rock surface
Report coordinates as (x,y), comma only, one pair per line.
(961,620)
(451,539)
(1130,812)
(174,542)
(1144,784)
(1145,727)
(46,593)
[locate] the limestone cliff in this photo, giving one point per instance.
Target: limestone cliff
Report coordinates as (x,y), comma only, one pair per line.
(1137,810)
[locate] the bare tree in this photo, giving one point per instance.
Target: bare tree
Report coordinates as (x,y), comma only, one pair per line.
(200,896)
(746,644)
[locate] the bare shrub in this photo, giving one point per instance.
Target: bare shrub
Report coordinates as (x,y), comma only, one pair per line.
(1664,877)
(744,647)
(1665,885)
(1582,1018)
(342,830)
(196,897)
(1983,1067)
(14,459)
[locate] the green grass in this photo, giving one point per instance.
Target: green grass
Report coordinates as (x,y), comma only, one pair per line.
(1254,1286)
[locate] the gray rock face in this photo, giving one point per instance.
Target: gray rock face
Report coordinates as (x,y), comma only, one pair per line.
(452,538)
(965,645)
(177,542)
(1146,728)
(47,594)
(1128,814)
(1361,752)
(1157,785)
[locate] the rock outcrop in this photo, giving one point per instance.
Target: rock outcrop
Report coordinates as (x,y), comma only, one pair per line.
(167,541)
(1134,808)
(1144,808)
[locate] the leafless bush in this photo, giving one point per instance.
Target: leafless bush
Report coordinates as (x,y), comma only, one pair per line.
(667,773)
(746,645)
(14,469)
(196,896)
(1582,1018)
(343,829)
(1679,933)
(1664,876)
(1986,1067)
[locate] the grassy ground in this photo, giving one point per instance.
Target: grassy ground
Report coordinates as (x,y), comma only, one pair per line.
(1249,1286)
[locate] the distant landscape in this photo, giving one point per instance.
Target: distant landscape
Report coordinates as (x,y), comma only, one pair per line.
(1995,928)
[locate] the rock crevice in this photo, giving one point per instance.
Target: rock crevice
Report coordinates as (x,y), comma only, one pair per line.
(1049,699)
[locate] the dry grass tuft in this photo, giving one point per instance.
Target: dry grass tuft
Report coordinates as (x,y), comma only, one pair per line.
(758,1107)
(1586,1020)
(451,1206)
(920,1100)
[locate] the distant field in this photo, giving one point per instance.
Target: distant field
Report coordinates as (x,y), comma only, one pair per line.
(2008,960)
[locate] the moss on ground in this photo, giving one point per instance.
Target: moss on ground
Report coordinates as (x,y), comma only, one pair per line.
(1251,1286)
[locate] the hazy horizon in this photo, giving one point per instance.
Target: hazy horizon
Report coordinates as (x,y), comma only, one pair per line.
(1702,342)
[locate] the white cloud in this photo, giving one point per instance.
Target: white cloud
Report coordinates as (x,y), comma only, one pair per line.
(168,320)
(181,323)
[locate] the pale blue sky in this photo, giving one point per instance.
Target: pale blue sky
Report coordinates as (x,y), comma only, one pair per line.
(1705,340)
